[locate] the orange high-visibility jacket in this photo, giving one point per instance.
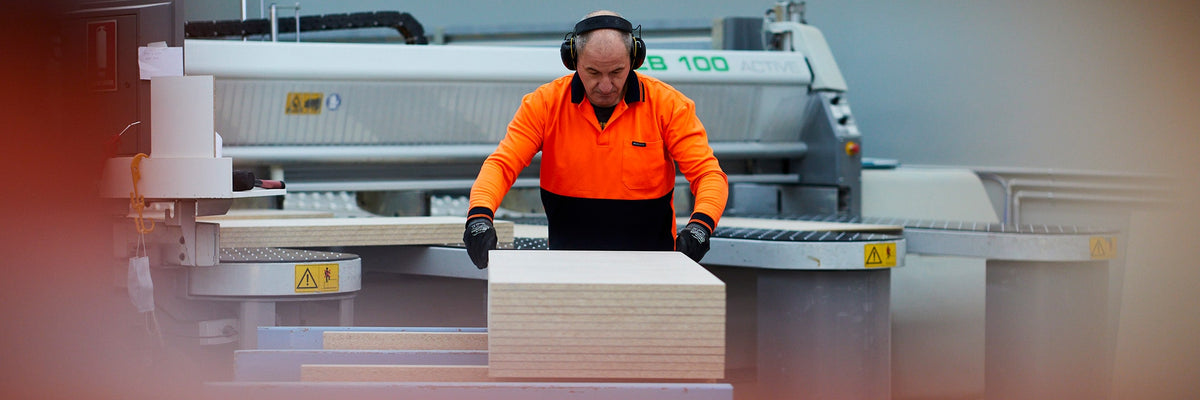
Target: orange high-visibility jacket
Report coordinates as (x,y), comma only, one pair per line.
(607,188)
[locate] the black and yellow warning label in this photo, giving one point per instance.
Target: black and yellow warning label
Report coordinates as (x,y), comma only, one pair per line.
(304,103)
(881,255)
(316,278)
(1103,247)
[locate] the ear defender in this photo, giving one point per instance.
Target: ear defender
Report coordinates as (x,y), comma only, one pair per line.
(567,51)
(637,54)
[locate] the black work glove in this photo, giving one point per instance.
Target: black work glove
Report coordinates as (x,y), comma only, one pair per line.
(479,237)
(693,241)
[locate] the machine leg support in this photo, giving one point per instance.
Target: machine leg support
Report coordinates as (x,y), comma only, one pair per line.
(346,312)
(824,334)
(1046,334)
(251,315)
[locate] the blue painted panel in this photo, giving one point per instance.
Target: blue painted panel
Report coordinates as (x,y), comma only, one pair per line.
(284,365)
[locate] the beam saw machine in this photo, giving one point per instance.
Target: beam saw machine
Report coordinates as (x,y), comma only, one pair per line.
(370,137)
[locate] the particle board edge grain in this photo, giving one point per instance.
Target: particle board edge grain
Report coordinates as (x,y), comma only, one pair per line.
(351,340)
(394,373)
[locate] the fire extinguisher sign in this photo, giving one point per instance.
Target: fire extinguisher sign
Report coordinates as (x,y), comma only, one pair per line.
(102,55)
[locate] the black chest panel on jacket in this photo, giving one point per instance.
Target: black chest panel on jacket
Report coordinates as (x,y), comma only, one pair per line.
(604,224)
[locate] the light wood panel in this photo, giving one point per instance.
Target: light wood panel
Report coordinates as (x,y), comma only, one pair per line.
(321,232)
(394,373)
(351,340)
(579,270)
(265,214)
(599,349)
(608,342)
(604,315)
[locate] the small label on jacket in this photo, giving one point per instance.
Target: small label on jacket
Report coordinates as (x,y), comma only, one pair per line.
(639,144)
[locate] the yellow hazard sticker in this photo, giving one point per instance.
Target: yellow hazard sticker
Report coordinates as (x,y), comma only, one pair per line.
(304,103)
(1103,247)
(316,278)
(881,255)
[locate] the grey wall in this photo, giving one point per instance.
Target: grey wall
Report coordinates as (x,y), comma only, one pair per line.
(1105,85)
(1079,84)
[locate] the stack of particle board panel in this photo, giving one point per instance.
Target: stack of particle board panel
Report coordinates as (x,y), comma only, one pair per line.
(604,315)
(399,341)
(309,232)
(265,214)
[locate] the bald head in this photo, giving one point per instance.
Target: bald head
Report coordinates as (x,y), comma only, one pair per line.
(583,39)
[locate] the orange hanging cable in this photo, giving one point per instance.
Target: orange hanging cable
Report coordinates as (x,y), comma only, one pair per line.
(136,200)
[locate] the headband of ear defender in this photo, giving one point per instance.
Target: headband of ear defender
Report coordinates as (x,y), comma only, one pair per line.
(637,54)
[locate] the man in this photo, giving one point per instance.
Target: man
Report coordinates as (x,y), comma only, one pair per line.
(609,139)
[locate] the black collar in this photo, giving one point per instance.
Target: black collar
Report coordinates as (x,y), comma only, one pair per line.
(633,89)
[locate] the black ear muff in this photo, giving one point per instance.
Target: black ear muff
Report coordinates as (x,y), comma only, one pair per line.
(567,51)
(637,54)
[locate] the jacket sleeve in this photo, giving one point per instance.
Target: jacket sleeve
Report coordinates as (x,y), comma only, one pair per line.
(687,142)
(521,142)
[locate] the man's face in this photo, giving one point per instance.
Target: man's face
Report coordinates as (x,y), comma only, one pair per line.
(603,66)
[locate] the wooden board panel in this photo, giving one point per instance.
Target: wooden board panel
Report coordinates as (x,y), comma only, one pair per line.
(615,373)
(606,357)
(319,232)
(531,231)
(609,342)
(614,319)
(669,338)
(498,368)
(481,373)
(597,310)
(284,365)
(405,341)
(265,214)
(579,270)
(516,300)
(394,373)
(626,292)
(664,326)
(606,287)
(604,315)
(597,349)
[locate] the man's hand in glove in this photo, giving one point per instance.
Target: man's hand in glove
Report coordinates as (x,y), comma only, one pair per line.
(480,237)
(693,241)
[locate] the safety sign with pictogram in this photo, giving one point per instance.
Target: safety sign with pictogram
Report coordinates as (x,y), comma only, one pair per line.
(1102,247)
(881,255)
(316,278)
(303,103)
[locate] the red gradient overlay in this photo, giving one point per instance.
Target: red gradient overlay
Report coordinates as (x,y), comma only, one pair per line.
(68,330)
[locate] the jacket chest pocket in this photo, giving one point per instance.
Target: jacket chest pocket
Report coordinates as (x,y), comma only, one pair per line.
(643,165)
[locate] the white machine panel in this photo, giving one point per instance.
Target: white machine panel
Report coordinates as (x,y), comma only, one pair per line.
(181,117)
(375,62)
(170,178)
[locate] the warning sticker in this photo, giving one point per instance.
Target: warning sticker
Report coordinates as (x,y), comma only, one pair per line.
(316,278)
(1103,247)
(881,255)
(304,103)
